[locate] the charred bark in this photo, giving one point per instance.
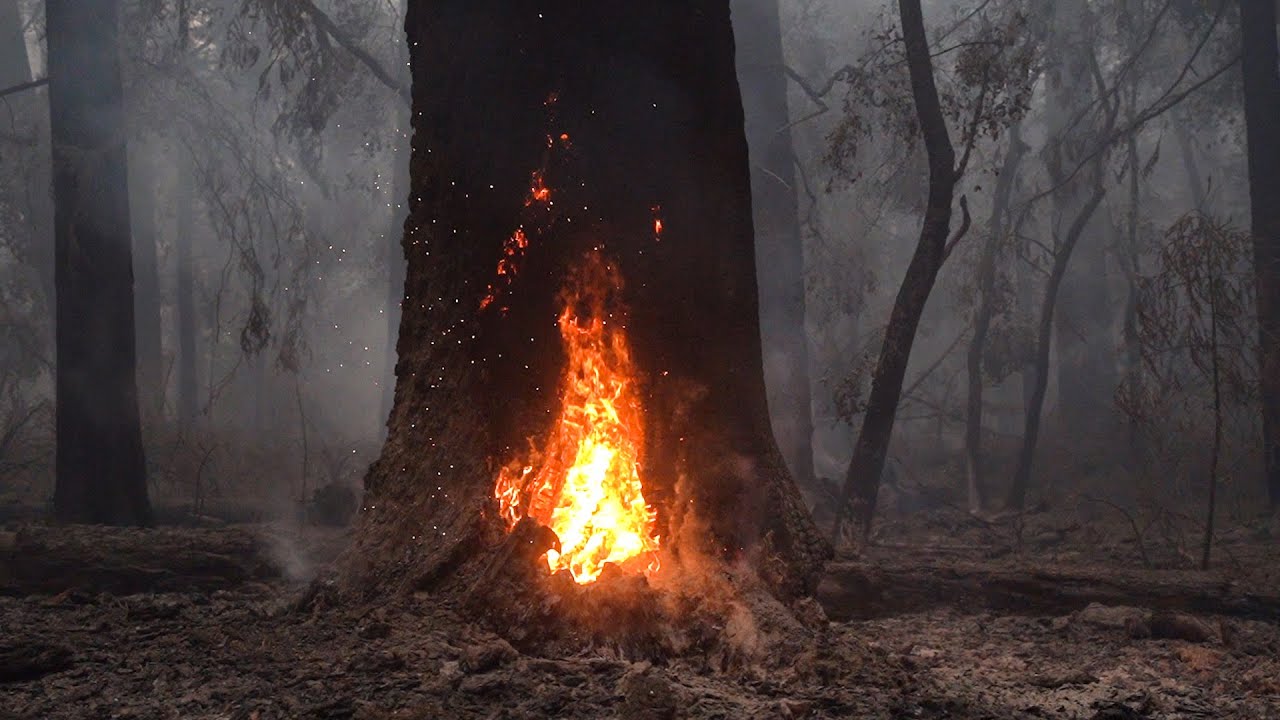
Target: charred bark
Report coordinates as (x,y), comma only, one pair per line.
(101,476)
(395,264)
(862,480)
(627,110)
(776,217)
(1261,107)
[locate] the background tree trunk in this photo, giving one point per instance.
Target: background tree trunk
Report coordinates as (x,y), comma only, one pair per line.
(1261,108)
(779,248)
(188,389)
(101,475)
(983,315)
(183,203)
(1044,339)
(862,480)
(1083,330)
(647,98)
(146,295)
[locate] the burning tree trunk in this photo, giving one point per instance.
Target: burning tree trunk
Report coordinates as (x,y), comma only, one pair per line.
(579,347)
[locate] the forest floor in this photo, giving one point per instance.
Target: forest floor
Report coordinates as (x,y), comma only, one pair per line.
(943,618)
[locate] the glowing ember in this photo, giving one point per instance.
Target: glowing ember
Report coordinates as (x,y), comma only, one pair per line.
(584,483)
(514,247)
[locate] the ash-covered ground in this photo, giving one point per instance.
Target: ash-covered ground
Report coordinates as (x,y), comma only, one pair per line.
(945,620)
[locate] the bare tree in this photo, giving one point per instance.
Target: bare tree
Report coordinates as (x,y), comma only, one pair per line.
(862,480)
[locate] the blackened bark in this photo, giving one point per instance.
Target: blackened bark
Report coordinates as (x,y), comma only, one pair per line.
(395,263)
(1261,108)
(776,216)
(862,480)
(101,475)
(647,99)
(983,315)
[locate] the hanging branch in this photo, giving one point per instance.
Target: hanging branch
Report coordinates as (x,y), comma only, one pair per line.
(20,87)
(325,23)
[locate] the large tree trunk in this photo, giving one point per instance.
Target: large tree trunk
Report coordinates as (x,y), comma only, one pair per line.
(862,480)
(395,264)
(1261,108)
(101,476)
(779,250)
(627,110)
(983,315)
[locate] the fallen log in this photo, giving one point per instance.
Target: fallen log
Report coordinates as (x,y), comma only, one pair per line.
(92,559)
(863,590)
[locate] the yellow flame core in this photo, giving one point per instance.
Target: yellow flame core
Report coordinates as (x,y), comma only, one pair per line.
(584,483)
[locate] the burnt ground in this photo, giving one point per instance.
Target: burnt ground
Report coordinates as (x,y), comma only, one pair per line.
(950,619)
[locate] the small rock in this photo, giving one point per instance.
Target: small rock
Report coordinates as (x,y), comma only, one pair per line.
(1054,681)
(481,684)
(374,631)
(648,696)
(450,671)
(795,708)
(376,662)
(1180,626)
(1133,621)
(1108,616)
(483,658)
(810,614)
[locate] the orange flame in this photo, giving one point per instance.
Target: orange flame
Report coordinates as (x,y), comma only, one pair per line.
(585,482)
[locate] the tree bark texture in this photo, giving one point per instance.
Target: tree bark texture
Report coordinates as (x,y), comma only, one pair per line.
(862,480)
(101,475)
(395,264)
(629,111)
(776,216)
(1261,108)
